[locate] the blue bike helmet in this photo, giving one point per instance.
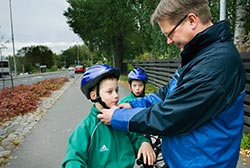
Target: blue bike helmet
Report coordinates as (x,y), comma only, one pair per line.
(94,75)
(138,74)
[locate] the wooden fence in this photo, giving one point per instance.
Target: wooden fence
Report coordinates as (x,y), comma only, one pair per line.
(160,72)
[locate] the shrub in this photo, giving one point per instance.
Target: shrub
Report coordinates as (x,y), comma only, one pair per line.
(22,98)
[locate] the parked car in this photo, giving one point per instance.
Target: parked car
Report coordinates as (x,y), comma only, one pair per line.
(80,69)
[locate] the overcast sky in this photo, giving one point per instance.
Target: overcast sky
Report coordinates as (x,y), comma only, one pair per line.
(36,22)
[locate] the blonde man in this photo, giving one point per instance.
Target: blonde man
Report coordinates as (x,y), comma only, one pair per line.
(200,113)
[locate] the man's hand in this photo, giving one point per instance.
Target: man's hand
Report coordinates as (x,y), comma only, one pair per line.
(124,105)
(106,115)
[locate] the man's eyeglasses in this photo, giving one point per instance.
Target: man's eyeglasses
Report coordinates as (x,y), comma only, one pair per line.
(178,24)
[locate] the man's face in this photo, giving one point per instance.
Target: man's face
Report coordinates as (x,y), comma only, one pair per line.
(137,87)
(109,92)
(179,34)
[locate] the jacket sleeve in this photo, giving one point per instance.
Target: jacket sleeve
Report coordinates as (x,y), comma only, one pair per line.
(76,154)
(126,99)
(195,101)
(146,101)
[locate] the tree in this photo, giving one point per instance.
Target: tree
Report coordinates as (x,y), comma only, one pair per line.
(104,25)
(29,58)
(149,39)
(71,56)
(240,34)
(120,30)
(240,22)
(238,17)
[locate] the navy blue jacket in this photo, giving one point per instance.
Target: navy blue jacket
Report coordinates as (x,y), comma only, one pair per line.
(200,113)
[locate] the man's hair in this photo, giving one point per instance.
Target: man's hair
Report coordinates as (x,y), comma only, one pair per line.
(175,10)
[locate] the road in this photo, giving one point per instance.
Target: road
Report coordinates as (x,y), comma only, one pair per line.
(29,79)
(45,146)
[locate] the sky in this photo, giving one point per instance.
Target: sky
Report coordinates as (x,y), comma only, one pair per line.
(35,22)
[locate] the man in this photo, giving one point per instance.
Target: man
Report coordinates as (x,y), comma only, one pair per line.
(200,113)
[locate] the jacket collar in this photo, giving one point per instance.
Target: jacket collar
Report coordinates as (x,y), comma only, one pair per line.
(94,110)
(219,31)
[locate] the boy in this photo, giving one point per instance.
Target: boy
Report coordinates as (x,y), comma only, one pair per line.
(94,144)
(137,79)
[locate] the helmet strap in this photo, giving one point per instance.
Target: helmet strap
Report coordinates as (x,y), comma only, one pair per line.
(99,99)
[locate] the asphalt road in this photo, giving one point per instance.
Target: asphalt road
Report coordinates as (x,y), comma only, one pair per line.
(45,146)
(30,79)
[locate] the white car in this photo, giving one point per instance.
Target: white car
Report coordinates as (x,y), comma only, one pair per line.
(71,72)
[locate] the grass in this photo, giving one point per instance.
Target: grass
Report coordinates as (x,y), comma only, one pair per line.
(245,142)
(245,145)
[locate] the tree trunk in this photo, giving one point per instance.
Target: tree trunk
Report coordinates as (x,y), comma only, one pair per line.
(240,22)
(119,52)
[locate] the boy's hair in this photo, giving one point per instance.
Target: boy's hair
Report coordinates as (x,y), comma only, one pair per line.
(111,76)
(94,75)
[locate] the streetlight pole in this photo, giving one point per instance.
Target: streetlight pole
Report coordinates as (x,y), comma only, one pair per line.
(222,9)
(12,37)
(77,52)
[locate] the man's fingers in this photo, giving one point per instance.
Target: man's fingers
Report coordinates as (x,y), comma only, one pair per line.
(102,118)
(124,105)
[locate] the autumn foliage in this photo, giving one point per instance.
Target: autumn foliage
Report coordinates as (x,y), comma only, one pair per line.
(22,98)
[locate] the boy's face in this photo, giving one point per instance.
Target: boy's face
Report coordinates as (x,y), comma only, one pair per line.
(109,92)
(137,87)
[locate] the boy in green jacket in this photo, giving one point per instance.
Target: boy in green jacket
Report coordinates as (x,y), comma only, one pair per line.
(94,144)
(137,79)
